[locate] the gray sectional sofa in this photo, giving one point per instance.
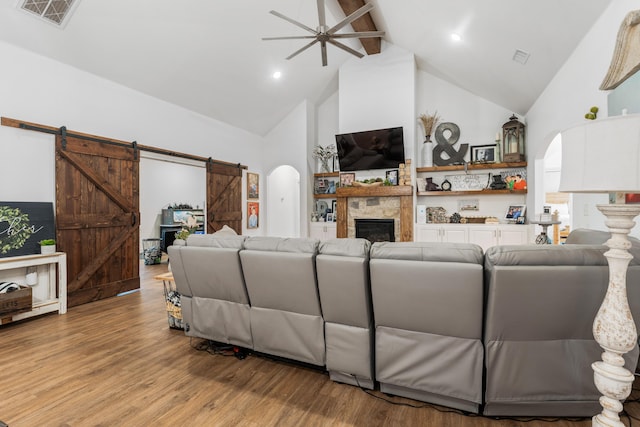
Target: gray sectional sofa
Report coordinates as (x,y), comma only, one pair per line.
(506,332)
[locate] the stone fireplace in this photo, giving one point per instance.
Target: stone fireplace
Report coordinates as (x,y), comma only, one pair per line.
(394,203)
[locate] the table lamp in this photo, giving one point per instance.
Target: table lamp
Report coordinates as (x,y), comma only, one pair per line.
(603,156)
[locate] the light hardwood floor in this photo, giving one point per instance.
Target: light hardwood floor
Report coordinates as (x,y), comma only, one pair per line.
(115,362)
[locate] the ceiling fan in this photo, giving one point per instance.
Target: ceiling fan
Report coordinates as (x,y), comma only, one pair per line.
(324,34)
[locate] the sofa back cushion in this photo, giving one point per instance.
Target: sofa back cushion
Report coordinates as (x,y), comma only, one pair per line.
(209,267)
(280,273)
(343,281)
(416,285)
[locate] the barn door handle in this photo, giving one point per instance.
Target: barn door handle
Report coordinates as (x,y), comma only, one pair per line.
(134,219)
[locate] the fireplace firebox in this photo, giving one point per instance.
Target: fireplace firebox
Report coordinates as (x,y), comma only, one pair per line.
(375,230)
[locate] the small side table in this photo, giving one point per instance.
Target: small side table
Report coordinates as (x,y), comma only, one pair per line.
(172,299)
(543,237)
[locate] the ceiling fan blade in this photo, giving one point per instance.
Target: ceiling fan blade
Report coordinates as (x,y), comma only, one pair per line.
(358,35)
(349,19)
(305,47)
(321,17)
(294,22)
(345,48)
(324,53)
(289,38)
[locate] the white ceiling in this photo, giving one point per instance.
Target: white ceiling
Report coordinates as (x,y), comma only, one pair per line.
(208,56)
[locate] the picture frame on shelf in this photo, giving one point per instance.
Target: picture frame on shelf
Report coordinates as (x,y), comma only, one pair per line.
(253,185)
(334,206)
(515,213)
(483,153)
(392,176)
(330,217)
(347,179)
(325,185)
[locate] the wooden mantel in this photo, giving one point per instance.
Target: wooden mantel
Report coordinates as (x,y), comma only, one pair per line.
(404,192)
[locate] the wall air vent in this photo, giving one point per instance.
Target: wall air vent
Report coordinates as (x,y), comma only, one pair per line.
(521,56)
(53,11)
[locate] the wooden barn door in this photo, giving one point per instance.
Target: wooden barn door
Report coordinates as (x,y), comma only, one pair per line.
(97,216)
(224,197)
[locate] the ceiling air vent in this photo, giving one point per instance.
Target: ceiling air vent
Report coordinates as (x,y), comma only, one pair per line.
(53,11)
(521,56)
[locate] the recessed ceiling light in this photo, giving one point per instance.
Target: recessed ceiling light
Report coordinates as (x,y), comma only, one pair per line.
(455,37)
(276,75)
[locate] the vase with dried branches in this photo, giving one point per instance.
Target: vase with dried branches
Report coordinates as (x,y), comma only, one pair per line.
(428,122)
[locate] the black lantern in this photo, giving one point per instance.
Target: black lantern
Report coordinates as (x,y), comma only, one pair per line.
(513,141)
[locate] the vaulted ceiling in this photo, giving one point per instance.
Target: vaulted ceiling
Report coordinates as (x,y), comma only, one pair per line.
(209,56)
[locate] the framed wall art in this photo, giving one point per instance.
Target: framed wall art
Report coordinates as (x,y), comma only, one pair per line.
(253,214)
(253,185)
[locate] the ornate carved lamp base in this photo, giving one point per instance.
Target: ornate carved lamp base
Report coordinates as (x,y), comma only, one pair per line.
(613,327)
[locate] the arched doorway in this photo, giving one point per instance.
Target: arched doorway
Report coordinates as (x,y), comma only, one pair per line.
(283,202)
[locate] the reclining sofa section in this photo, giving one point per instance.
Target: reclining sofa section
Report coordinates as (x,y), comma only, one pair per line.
(209,278)
(427,303)
(539,345)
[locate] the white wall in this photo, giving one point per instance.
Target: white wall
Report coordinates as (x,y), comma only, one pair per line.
(573,90)
(37,89)
(288,144)
(377,92)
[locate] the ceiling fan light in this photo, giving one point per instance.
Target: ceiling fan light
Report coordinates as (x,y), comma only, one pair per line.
(276,75)
(456,37)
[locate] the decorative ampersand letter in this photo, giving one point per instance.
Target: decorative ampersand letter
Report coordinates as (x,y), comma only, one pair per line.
(446,145)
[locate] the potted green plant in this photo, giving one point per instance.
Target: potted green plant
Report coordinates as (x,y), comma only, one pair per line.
(47,246)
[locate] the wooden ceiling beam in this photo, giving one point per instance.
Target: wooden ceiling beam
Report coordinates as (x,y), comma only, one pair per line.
(364,23)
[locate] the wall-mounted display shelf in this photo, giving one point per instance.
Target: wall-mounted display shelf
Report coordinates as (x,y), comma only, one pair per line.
(472,166)
(486,192)
(326,174)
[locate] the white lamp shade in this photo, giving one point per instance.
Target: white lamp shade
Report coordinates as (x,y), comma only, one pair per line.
(602,156)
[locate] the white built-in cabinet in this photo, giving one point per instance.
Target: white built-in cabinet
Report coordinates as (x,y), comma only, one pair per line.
(441,233)
(322,230)
(484,235)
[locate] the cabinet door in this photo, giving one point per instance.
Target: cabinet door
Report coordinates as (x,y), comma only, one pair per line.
(330,230)
(316,230)
(513,235)
(428,233)
(454,234)
(483,236)
(322,230)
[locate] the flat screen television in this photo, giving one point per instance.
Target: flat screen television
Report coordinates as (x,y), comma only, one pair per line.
(372,149)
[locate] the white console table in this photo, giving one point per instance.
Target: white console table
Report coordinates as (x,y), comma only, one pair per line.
(50,291)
